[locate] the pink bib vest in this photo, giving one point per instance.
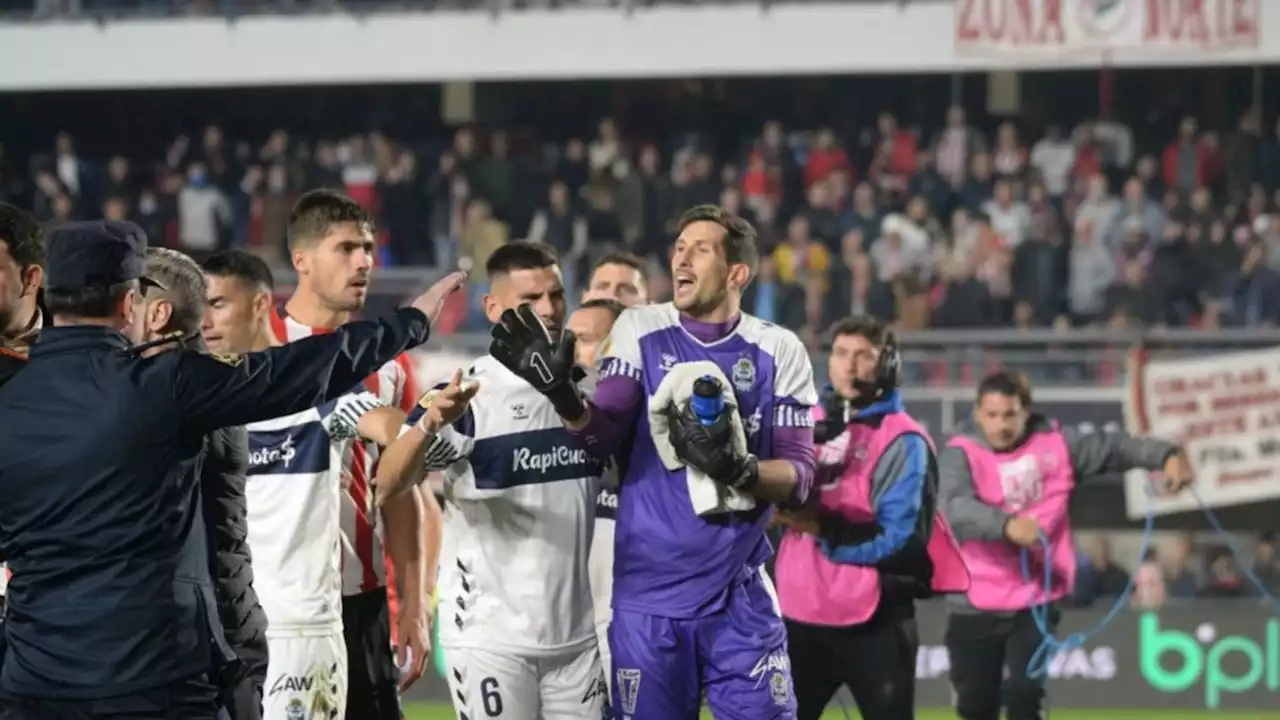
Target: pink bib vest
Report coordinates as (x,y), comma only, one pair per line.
(1034,480)
(815,590)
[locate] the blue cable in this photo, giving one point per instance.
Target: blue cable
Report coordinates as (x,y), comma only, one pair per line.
(1050,645)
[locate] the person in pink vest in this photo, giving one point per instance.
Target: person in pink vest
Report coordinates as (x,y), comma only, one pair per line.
(1005,480)
(866,546)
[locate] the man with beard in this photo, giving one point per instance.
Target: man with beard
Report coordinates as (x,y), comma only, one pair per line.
(693,611)
(21,276)
(518,630)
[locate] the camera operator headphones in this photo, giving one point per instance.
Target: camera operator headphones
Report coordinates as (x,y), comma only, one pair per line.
(888,369)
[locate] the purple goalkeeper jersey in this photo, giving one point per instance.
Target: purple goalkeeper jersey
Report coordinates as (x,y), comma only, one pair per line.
(669,561)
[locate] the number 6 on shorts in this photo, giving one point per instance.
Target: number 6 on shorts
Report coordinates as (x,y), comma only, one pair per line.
(491,685)
(491,697)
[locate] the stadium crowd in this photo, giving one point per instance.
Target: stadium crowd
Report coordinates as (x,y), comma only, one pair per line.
(954,228)
(1184,567)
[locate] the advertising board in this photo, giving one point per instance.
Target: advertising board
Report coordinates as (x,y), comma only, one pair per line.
(1054,28)
(650,41)
(1205,655)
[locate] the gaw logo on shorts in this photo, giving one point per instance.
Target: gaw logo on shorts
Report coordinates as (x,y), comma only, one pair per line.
(318,688)
(628,689)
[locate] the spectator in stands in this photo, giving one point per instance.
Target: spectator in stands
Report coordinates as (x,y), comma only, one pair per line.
(1186,162)
(1181,580)
(1225,579)
(1100,578)
(966,301)
(896,157)
(202,213)
(1053,156)
(71,171)
(1266,564)
(494,177)
(1242,157)
(481,234)
(1009,157)
(1010,217)
(1136,210)
(825,157)
(953,147)
(1148,583)
(978,187)
(1254,299)
(1091,269)
(1039,267)
(565,229)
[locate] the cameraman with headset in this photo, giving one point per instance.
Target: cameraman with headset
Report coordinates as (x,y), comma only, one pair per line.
(868,544)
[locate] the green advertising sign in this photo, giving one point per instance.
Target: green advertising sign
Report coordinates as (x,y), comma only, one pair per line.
(1174,661)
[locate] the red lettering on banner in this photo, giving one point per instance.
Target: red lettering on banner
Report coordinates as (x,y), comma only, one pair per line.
(1015,22)
(1208,22)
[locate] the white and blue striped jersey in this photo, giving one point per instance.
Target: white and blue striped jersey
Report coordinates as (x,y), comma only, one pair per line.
(293,491)
(519,508)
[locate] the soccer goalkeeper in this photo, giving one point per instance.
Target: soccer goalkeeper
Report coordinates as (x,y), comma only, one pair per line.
(694,612)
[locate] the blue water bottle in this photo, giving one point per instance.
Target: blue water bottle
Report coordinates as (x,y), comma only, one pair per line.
(708,399)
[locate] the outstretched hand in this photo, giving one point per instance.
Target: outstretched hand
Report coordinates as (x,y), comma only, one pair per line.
(444,406)
(431,302)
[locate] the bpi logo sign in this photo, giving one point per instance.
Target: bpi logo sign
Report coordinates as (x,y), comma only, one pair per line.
(1067,27)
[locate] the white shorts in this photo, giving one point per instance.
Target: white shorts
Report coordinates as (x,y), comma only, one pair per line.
(600,573)
(510,687)
(306,678)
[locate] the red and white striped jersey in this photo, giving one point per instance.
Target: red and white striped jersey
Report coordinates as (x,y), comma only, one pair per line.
(364,565)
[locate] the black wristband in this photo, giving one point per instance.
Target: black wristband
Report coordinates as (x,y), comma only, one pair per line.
(567,401)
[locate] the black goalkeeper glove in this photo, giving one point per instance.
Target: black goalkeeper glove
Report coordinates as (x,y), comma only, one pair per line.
(522,343)
(833,422)
(709,448)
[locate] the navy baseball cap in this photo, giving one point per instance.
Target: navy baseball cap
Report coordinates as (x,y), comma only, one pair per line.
(98,253)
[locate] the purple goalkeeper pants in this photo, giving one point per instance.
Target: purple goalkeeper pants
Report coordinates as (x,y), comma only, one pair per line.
(737,657)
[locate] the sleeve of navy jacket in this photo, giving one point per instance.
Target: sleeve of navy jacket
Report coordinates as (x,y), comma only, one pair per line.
(897,493)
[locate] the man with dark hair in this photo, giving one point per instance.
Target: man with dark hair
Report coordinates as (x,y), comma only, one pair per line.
(240,286)
(619,276)
(591,324)
(21,277)
(331,246)
(170,320)
(853,563)
(692,605)
(97,450)
(516,618)
(1005,481)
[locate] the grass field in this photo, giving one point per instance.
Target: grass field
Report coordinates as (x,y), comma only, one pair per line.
(441,712)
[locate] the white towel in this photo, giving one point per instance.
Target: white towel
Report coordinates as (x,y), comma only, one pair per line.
(707,495)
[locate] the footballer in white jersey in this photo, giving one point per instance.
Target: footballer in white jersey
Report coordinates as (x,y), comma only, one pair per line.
(293,497)
(298,477)
(620,278)
(516,618)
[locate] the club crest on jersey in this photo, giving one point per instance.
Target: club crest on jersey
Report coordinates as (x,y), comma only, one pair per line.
(519,411)
(744,374)
(779,689)
(295,710)
(628,689)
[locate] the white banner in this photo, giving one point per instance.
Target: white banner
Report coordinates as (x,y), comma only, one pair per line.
(1225,410)
(1021,28)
